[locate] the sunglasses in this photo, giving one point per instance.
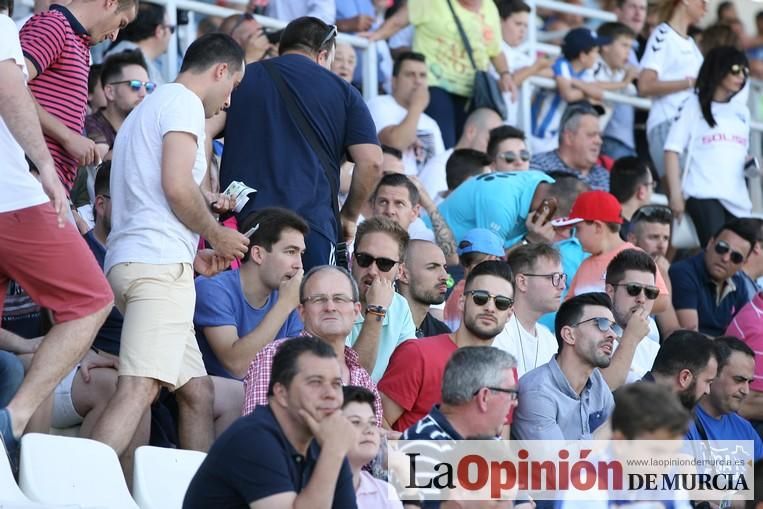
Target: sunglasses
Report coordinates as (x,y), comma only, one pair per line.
(135,85)
(654,213)
(634,289)
(556,277)
(737,69)
(603,324)
(510,156)
(247,16)
(383,264)
(329,36)
(171,28)
(481,297)
(513,393)
(722,247)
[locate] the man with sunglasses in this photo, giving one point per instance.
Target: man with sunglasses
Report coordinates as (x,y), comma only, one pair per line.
(507,149)
(410,385)
(708,288)
(568,398)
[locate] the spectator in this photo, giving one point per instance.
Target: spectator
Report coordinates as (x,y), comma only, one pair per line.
(240,311)
(631,13)
(254,154)
(726,12)
(631,286)
(158,164)
(573,72)
(400,119)
(515,16)
(344,62)
(463,164)
(507,149)
(149,34)
(451,73)
(707,288)
(95,96)
(501,202)
(538,285)
(371,493)
(579,146)
(475,136)
(303,437)
(752,270)
(568,398)
(410,384)
(385,320)
(56,47)
(715,131)
(477,246)
(249,34)
(716,416)
(686,364)
(669,70)
(287,10)
(756,52)
(631,182)
(329,303)
(746,326)
(32,229)
(423,283)
(615,72)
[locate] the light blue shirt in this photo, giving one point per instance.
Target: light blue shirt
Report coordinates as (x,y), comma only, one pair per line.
(396,328)
(572,255)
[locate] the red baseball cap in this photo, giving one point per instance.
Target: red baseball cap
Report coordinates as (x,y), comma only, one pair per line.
(593,206)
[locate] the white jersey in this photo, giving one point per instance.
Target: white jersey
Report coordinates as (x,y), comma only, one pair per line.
(528,349)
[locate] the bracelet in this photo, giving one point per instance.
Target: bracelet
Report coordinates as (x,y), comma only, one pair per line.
(378,311)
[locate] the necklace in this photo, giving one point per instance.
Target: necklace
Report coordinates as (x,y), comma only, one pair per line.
(522,348)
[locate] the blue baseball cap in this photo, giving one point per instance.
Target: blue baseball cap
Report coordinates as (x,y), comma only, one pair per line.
(481,240)
(579,40)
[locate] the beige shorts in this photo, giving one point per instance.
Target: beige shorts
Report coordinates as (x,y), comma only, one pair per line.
(158,339)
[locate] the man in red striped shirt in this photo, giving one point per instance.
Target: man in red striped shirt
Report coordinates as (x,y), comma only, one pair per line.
(56,46)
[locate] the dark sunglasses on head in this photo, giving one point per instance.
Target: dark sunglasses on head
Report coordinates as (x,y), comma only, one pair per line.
(135,85)
(634,289)
(722,247)
(603,324)
(481,297)
(654,213)
(365,260)
(330,35)
(510,156)
(737,69)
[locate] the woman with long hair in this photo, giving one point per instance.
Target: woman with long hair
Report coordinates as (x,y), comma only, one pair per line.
(714,132)
(669,69)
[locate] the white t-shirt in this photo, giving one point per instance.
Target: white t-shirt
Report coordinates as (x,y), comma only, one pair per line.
(672,57)
(516,59)
(530,351)
(433,176)
(717,155)
(143,227)
(643,359)
(618,120)
(386,112)
(18,187)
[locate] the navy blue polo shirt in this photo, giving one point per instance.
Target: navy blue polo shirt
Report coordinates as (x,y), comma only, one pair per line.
(252,460)
(265,149)
(109,335)
(694,289)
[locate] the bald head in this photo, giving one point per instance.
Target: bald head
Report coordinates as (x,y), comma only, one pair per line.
(477,129)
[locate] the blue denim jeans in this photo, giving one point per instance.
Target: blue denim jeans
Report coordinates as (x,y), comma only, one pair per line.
(11,376)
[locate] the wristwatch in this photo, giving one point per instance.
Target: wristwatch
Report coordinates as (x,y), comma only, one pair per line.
(378,311)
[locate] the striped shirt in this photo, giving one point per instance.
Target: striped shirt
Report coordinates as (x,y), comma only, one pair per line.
(59,48)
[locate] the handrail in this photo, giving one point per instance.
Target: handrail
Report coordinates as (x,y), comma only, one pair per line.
(639,102)
(587,12)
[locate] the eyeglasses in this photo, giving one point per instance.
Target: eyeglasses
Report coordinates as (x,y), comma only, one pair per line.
(634,289)
(383,264)
(135,85)
(513,393)
(247,16)
(722,247)
(653,213)
(510,156)
(480,298)
(737,69)
(556,277)
(603,324)
(330,35)
(171,28)
(651,183)
(322,299)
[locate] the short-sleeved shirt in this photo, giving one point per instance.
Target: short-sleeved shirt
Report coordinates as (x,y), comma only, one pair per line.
(550,409)
(144,229)
(397,326)
(437,37)
(596,178)
(266,150)
(109,335)
(747,325)
(499,202)
(528,349)
(99,129)
(431,326)
(59,48)
(18,188)
(258,378)
(220,301)
(253,460)
(730,426)
(694,289)
(413,378)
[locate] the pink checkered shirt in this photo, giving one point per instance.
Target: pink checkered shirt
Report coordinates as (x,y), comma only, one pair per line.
(258,378)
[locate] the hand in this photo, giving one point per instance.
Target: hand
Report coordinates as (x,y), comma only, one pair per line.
(507,85)
(371,36)
(92,360)
(334,433)
(593,91)
(52,186)
(288,290)
(540,231)
(380,293)
(424,197)
(419,98)
(677,205)
(542,63)
(359,23)
(259,44)
(81,224)
(663,264)
(637,327)
(390,434)
(29,345)
(228,243)
(631,73)
(220,203)
(348,228)
(81,148)
(208,263)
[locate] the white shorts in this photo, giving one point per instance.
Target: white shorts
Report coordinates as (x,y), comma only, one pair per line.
(64,414)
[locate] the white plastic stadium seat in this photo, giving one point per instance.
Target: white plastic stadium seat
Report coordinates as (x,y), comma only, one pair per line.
(162,476)
(65,470)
